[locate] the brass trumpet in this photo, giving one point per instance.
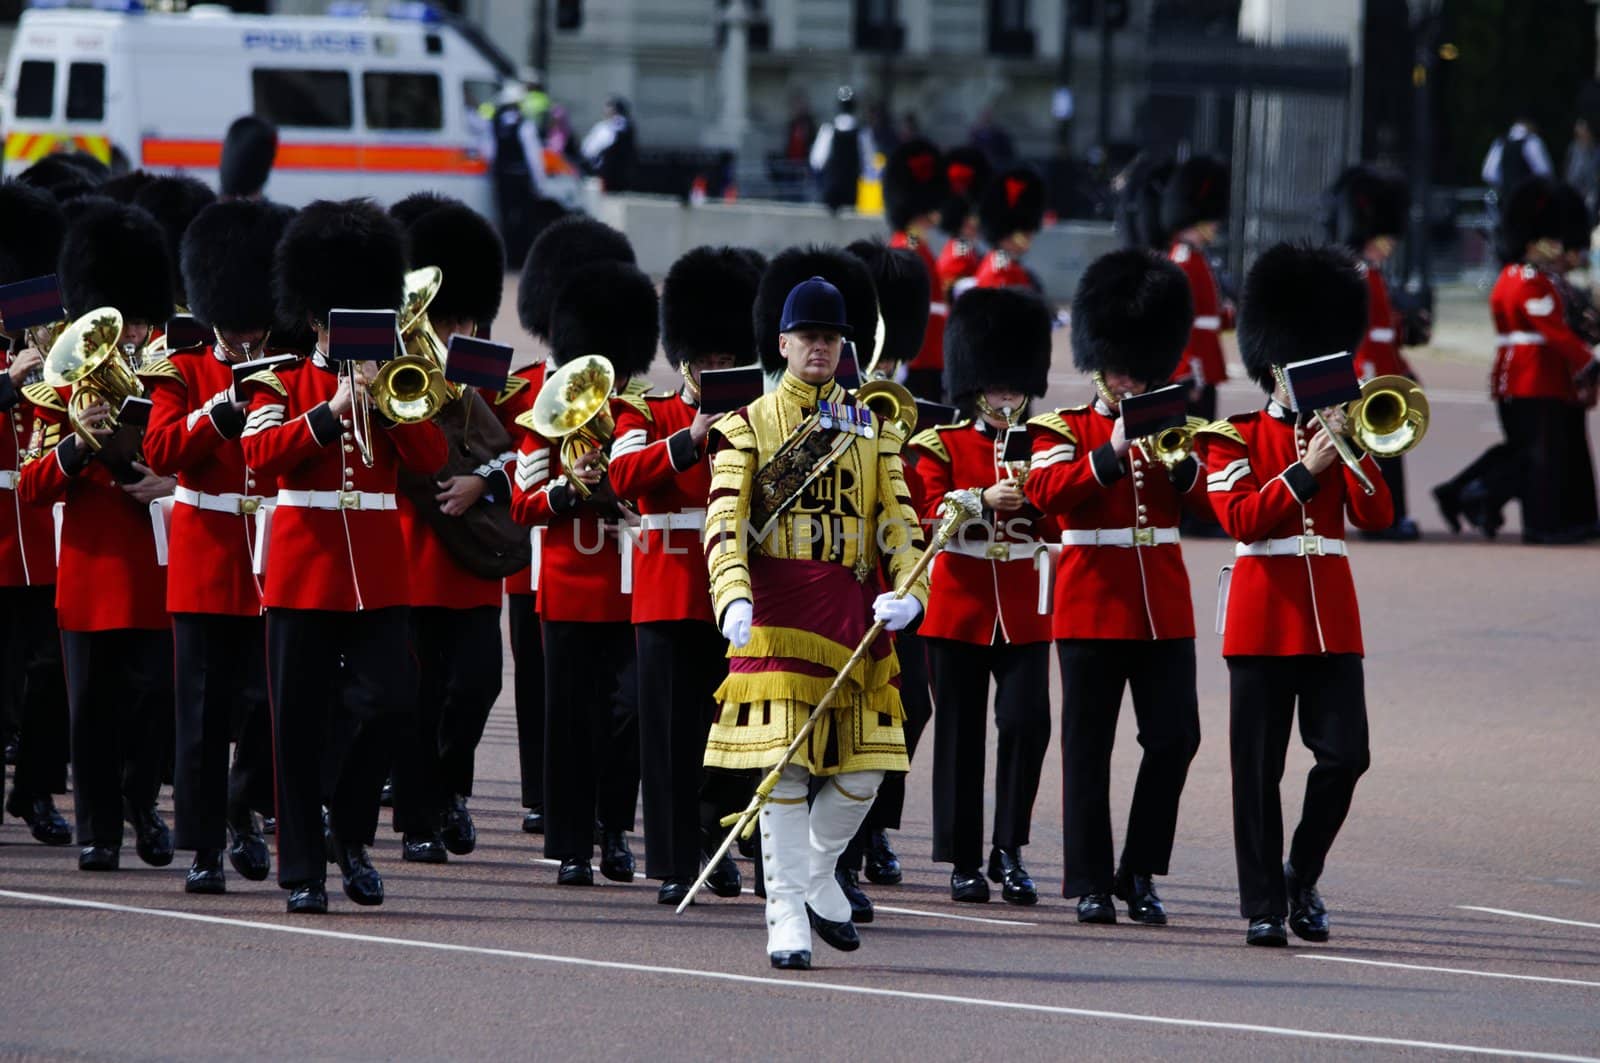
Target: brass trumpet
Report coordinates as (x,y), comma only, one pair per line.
(1172,446)
(88,357)
(574,406)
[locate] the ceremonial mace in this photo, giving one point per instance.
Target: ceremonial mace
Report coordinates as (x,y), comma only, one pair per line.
(959,507)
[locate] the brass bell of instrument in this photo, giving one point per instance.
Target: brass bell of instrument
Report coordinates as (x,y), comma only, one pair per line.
(1390,417)
(416,333)
(1172,446)
(889,402)
(87,357)
(574,406)
(408,390)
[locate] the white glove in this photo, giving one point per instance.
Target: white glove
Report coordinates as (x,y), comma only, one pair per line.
(896,613)
(736,623)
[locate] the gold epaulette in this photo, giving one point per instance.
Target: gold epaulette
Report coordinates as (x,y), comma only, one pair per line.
(514,385)
(161,369)
(637,386)
(269,378)
(45,397)
(525,420)
(637,401)
(928,439)
(1221,428)
(1054,422)
(736,430)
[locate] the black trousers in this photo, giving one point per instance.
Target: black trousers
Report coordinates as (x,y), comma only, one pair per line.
(961,672)
(1579,499)
(35,688)
(527,656)
(341,685)
(1394,475)
(591,734)
(1333,725)
(458,677)
(1160,674)
(680,665)
(1537,464)
(221,678)
(119,687)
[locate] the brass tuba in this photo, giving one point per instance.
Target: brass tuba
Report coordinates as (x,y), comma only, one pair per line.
(889,402)
(412,387)
(88,358)
(574,406)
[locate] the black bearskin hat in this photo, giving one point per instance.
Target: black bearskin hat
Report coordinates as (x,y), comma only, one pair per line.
(1013,202)
(705,305)
(1533,214)
(345,254)
(116,255)
(839,268)
(247,153)
(966,172)
(565,245)
(174,201)
(66,175)
(1366,204)
(1576,225)
(609,309)
(31,228)
(1197,191)
(1132,313)
(125,188)
(414,206)
(997,338)
(465,247)
(913,182)
(227,262)
(1300,301)
(901,280)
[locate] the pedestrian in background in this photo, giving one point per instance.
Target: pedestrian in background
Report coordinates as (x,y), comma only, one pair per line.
(842,153)
(610,148)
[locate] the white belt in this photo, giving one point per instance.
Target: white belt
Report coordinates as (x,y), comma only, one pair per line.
(243,505)
(1209,323)
(689,519)
(1381,335)
(1293,546)
(1120,537)
(939,309)
(8,479)
(335,500)
(991,551)
(1520,339)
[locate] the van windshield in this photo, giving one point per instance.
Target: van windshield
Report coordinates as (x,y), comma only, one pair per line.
(36,89)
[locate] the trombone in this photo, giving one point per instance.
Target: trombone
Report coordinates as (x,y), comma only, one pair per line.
(1389,418)
(1170,446)
(410,388)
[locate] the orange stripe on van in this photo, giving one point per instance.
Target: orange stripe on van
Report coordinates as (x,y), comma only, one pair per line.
(381,158)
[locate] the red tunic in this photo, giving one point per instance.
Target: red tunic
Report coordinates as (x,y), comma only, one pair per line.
(1288,605)
(1202,358)
(108,576)
(655,464)
(1379,353)
(1538,354)
(972,598)
(193,435)
(958,260)
(931,356)
(580,578)
(522,387)
(27,533)
(1113,591)
(999,270)
(343,560)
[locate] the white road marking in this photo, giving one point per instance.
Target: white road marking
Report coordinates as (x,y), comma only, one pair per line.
(804,985)
(1446,970)
(1528,915)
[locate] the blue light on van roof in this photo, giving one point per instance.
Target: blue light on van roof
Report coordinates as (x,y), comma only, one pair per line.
(414,11)
(48,5)
(347,9)
(125,7)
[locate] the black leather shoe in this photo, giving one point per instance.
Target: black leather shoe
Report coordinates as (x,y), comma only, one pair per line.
(841,936)
(247,851)
(616,859)
(422,849)
(362,883)
(533,821)
(883,867)
(860,903)
(799,960)
(1016,885)
(205,874)
(309,899)
(1097,908)
(12,748)
(39,813)
(673,891)
(575,873)
(1308,917)
(1267,931)
(724,880)
(152,839)
(968,887)
(459,835)
(1449,503)
(1144,906)
(386,795)
(99,858)
(269,825)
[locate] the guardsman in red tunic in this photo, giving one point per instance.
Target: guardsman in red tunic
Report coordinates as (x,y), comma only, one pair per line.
(914,187)
(1292,630)
(213,591)
(1122,615)
(1369,217)
(455,613)
(336,591)
(111,591)
(966,171)
(659,463)
(591,767)
(1542,369)
(1010,214)
(1194,203)
(31,227)
(984,617)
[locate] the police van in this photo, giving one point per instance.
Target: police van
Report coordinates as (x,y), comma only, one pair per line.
(380,106)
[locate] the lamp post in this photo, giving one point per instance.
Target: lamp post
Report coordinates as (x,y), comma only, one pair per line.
(1425,27)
